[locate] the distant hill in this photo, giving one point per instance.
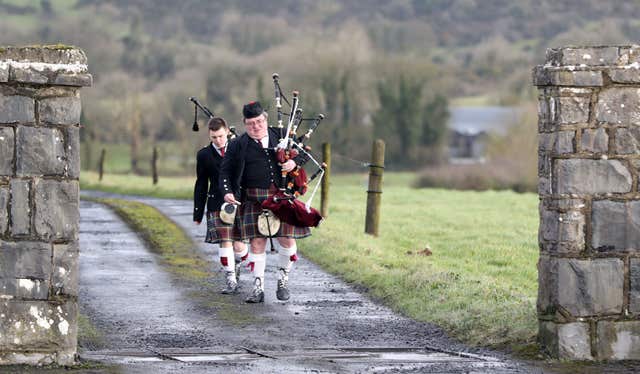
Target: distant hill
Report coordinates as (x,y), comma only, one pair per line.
(147,57)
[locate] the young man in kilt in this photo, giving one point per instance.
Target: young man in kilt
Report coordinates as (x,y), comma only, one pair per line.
(232,251)
(249,174)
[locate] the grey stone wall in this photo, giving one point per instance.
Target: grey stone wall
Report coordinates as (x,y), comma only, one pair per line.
(589,165)
(39,218)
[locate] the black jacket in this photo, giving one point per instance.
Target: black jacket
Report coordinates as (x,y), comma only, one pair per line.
(206,189)
(232,168)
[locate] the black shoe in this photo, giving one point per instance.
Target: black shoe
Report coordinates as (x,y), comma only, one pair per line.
(282,293)
(257,295)
(231,287)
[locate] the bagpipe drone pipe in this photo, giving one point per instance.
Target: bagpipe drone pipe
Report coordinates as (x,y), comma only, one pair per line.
(294,183)
(209,114)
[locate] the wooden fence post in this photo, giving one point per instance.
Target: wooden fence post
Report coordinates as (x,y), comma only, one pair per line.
(101,163)
(324,193)
(154,165)
(374,193)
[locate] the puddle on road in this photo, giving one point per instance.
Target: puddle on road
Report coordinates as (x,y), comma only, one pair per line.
(354,355)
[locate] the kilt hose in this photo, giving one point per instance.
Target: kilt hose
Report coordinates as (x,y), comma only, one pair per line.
(250,209)
(218,231)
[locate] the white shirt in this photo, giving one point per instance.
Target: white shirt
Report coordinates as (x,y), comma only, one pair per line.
(265,142)
(218,149)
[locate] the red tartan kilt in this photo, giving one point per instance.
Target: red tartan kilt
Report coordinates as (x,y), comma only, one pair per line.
(251,207)
(218,231)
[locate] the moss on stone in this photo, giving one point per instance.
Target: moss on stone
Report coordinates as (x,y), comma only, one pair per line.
(56,47)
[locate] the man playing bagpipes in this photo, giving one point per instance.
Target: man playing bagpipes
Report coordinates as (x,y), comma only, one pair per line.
(232,251)
(250,174)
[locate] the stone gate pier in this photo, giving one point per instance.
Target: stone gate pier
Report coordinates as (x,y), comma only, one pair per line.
(589,163)
(39,216)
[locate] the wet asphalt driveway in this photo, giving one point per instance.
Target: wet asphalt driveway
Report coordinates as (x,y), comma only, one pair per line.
(152,322)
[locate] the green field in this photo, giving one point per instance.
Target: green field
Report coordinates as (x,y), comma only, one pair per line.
(479,283)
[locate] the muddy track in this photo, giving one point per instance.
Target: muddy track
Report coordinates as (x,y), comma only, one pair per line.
(150,320)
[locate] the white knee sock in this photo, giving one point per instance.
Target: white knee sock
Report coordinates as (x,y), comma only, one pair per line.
(241,256)
(286,258)
(258,262)
(227,260)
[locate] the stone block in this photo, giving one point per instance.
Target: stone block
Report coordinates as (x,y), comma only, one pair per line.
(28,74)
(544,165)
(628,140)
(618,340)
(587,78)
(45,54)
(34,325)
(630,74)
(4,72)
(590,287)
(7,148)
(20,207)
(595,140)
(545,76)
(56,209)
(564,230)
(546,108)
(615,225)
(17,109)
(574,341)
(72,136)
(568,341)
(4,209)
(589,56)
(77,80)
(25,260)
(65,269)
(629,55)
(565,205)
(40,151)
(546,141)
(548,337)
(635,164)
(619,106)
(547,285)
(544,186)
(634,288)
(60,110)
(34,289)
(564,142)
(573,109)
(581,176)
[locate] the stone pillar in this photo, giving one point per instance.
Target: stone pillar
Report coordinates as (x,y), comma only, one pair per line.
(589,162)
(39,216)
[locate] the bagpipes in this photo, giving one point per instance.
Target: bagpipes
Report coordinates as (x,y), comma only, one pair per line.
(294,183)
(209,113)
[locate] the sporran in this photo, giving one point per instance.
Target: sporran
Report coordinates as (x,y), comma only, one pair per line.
(268,223)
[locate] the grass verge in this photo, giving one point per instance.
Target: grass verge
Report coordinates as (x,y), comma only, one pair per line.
(480,280)
(164,237)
